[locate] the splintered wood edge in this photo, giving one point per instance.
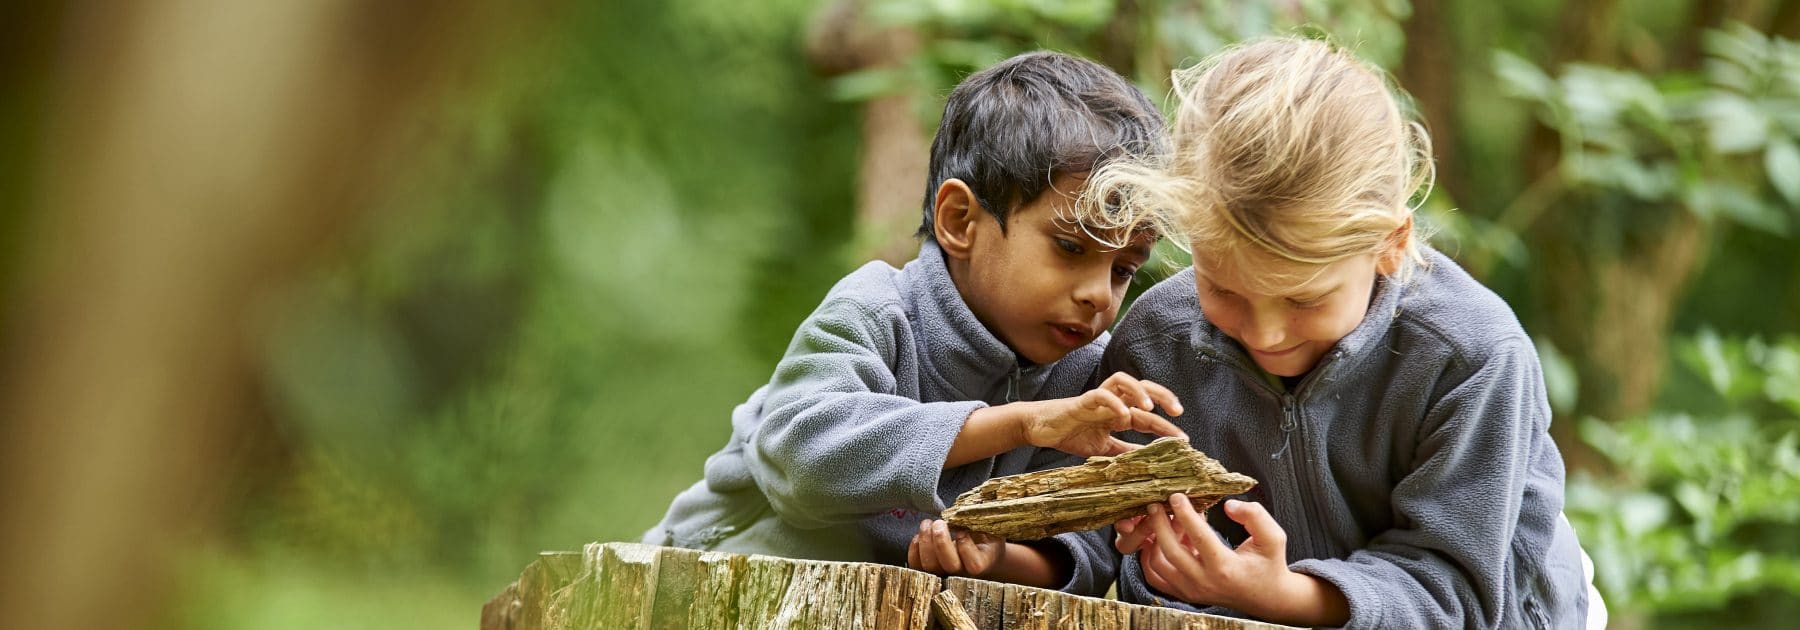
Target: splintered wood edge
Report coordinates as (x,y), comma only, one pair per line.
(950,613)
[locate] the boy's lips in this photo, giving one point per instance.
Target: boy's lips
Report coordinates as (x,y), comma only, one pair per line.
(1072,335)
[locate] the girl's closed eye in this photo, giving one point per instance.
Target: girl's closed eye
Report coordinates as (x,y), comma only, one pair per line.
(1069,246)
(1306,303)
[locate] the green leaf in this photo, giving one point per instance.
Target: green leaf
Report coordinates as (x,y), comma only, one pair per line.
(1783,162)
(1561,382)
(1522,77)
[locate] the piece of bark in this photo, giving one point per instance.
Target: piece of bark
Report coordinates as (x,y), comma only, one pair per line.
(1094,494)
(950,613)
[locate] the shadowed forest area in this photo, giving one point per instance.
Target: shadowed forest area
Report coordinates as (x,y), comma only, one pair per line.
(334,314)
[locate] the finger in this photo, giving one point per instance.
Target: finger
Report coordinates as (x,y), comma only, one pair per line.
(1165,398)
(1205,541)
(971,556)
(1132,390)
(1116,446)
(946,549)
(912,553)
(1265,533)
(927,553)
(1151,423)
(1131,535)
(1167,578)
(1116,410)
(1169,543)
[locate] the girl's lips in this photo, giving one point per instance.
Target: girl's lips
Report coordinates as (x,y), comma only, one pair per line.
(1280,353)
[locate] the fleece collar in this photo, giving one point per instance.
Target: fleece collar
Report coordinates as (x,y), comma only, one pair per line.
(958,350)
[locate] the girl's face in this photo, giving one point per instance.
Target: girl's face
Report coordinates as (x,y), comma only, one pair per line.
(1286,334)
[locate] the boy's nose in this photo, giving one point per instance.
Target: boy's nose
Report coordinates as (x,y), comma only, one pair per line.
(1095,291)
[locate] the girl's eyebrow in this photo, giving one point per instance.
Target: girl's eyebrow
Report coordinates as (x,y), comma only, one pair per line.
(1308,297)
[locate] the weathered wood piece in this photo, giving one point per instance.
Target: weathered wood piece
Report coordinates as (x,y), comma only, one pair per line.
(950,613)
(1094,494)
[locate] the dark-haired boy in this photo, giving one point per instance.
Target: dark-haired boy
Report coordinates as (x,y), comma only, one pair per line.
(907,387)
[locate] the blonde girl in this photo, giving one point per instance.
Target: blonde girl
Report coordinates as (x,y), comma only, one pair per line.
(1392,407)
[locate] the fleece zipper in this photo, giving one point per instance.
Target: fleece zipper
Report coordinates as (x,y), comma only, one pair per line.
(1299,467)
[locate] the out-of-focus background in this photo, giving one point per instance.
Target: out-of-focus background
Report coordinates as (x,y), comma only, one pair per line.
(332,314)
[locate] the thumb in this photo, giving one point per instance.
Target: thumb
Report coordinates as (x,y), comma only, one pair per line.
(1267,536)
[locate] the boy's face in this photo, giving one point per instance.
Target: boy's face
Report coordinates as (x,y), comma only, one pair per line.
(1043,286)
(1287,333)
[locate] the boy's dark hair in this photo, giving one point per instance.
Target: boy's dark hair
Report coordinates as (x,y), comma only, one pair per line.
(1011,129)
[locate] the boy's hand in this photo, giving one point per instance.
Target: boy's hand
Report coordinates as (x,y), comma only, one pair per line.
(1084,425)
(1188,560)
(943,550)
(1133,534)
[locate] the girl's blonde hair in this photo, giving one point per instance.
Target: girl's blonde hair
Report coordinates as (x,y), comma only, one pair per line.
(1289,155)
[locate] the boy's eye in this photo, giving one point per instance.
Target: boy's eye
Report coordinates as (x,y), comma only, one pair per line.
(1310,303)
(1124,273)
(1069,246)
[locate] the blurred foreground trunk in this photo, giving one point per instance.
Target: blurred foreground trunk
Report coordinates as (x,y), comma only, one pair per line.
(194,155)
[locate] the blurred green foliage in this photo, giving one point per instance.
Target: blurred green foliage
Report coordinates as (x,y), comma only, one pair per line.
(603,247)
(1703,513)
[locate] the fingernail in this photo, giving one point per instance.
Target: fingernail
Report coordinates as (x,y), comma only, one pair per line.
(1156,509)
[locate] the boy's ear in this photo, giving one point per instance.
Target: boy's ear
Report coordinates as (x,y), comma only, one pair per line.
(954,215)
(1394,252)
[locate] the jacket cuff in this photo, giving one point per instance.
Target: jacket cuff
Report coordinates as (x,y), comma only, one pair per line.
(924,471)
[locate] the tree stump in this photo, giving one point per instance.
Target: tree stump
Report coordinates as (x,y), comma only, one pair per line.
(627,585)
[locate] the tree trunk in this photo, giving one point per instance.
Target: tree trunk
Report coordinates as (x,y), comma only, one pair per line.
(896,149)
(1427,71)
(1608,306)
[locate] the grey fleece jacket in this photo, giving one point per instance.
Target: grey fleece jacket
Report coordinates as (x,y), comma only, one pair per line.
(1412,467)
(841,455)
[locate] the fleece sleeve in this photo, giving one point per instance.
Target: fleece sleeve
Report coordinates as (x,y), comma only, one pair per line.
(1444,563)
(836,444)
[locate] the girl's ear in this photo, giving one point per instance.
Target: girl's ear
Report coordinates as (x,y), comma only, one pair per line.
(1393,249)
(955,213)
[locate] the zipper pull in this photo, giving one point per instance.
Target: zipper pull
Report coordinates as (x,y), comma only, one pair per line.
(1288,414)
(1287,425)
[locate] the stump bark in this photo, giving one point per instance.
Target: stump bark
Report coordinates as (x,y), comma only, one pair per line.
(627,585)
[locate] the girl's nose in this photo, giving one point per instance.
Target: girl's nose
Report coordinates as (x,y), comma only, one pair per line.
(1264,332)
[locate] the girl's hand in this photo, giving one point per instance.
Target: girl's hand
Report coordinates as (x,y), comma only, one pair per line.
(1189,561)
(943,550)
(1084,425)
